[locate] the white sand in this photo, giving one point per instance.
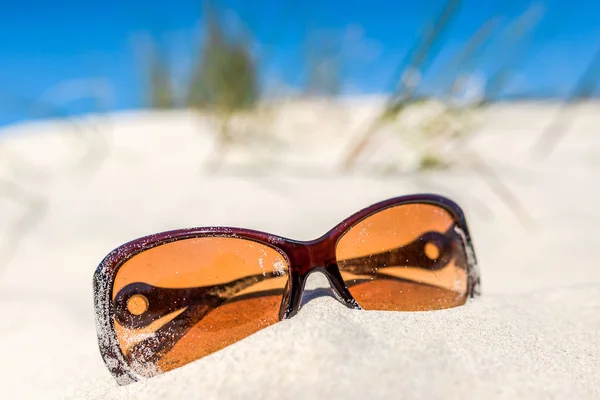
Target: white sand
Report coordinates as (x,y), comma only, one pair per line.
(534,333)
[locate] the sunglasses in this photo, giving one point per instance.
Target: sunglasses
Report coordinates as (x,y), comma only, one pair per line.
(168,299)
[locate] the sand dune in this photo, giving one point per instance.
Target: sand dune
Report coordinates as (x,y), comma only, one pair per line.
(533,334)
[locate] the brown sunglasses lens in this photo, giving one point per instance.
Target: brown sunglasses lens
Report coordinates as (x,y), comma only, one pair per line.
(180,301)
(405,258)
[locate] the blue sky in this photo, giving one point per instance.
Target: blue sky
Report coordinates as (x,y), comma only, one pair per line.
(45,43)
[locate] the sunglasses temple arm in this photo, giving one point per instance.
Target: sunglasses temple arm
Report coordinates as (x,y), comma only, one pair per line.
(150,350)
(411,254)
(162,301)
(230,289)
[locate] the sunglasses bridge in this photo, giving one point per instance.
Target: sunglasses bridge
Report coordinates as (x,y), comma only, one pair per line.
(310,257)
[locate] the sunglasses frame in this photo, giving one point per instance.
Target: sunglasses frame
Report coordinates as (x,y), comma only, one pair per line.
(303,257)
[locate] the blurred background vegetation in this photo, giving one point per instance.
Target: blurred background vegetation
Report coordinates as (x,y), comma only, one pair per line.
(240,54)
(453,59)
(225,73)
